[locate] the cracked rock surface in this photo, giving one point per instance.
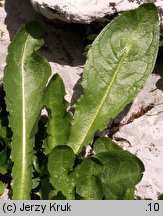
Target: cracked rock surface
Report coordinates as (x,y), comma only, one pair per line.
(141,134)
(140,125)
(86,11)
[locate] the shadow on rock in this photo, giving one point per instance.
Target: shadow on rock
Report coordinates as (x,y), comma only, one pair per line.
(159,69)
(159,84)
(63,42)
(78,91)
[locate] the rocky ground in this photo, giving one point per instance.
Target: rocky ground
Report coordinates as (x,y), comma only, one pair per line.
(139,128)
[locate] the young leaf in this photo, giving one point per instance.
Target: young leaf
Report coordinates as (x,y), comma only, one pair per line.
(88,183)
(119,62)
(60,163)
(25,78)
(90,188)
(58,118)
(122,171)
(104,144)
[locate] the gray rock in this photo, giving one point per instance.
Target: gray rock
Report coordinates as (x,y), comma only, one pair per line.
(4,41)
(64,54)
(141,134)
(86,11)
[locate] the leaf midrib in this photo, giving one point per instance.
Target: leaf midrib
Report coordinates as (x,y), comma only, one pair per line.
(108,90)
(23,170)
(103,99)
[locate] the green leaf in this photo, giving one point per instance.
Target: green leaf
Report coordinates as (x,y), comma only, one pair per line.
(25,78)
(119,62)
(3,161)
(130,194)
(104,144)
(88,183)
(89,166)
(161,43)
(58,125)
(160,197)
(46,188)
(60,164)
(2,130)
(2,188)
(122,171)
(58,196)
(91,37)
(5,132)
(90,188)
(35,182)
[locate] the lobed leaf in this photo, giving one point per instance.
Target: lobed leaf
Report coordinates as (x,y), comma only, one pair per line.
(122,171)
(25,78)
(119,62)
(58,118)
(104,144)
(90,188)
(87,181)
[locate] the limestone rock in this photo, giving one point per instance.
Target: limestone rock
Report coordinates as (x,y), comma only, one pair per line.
(141,134)
(86,11)
(4,42)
